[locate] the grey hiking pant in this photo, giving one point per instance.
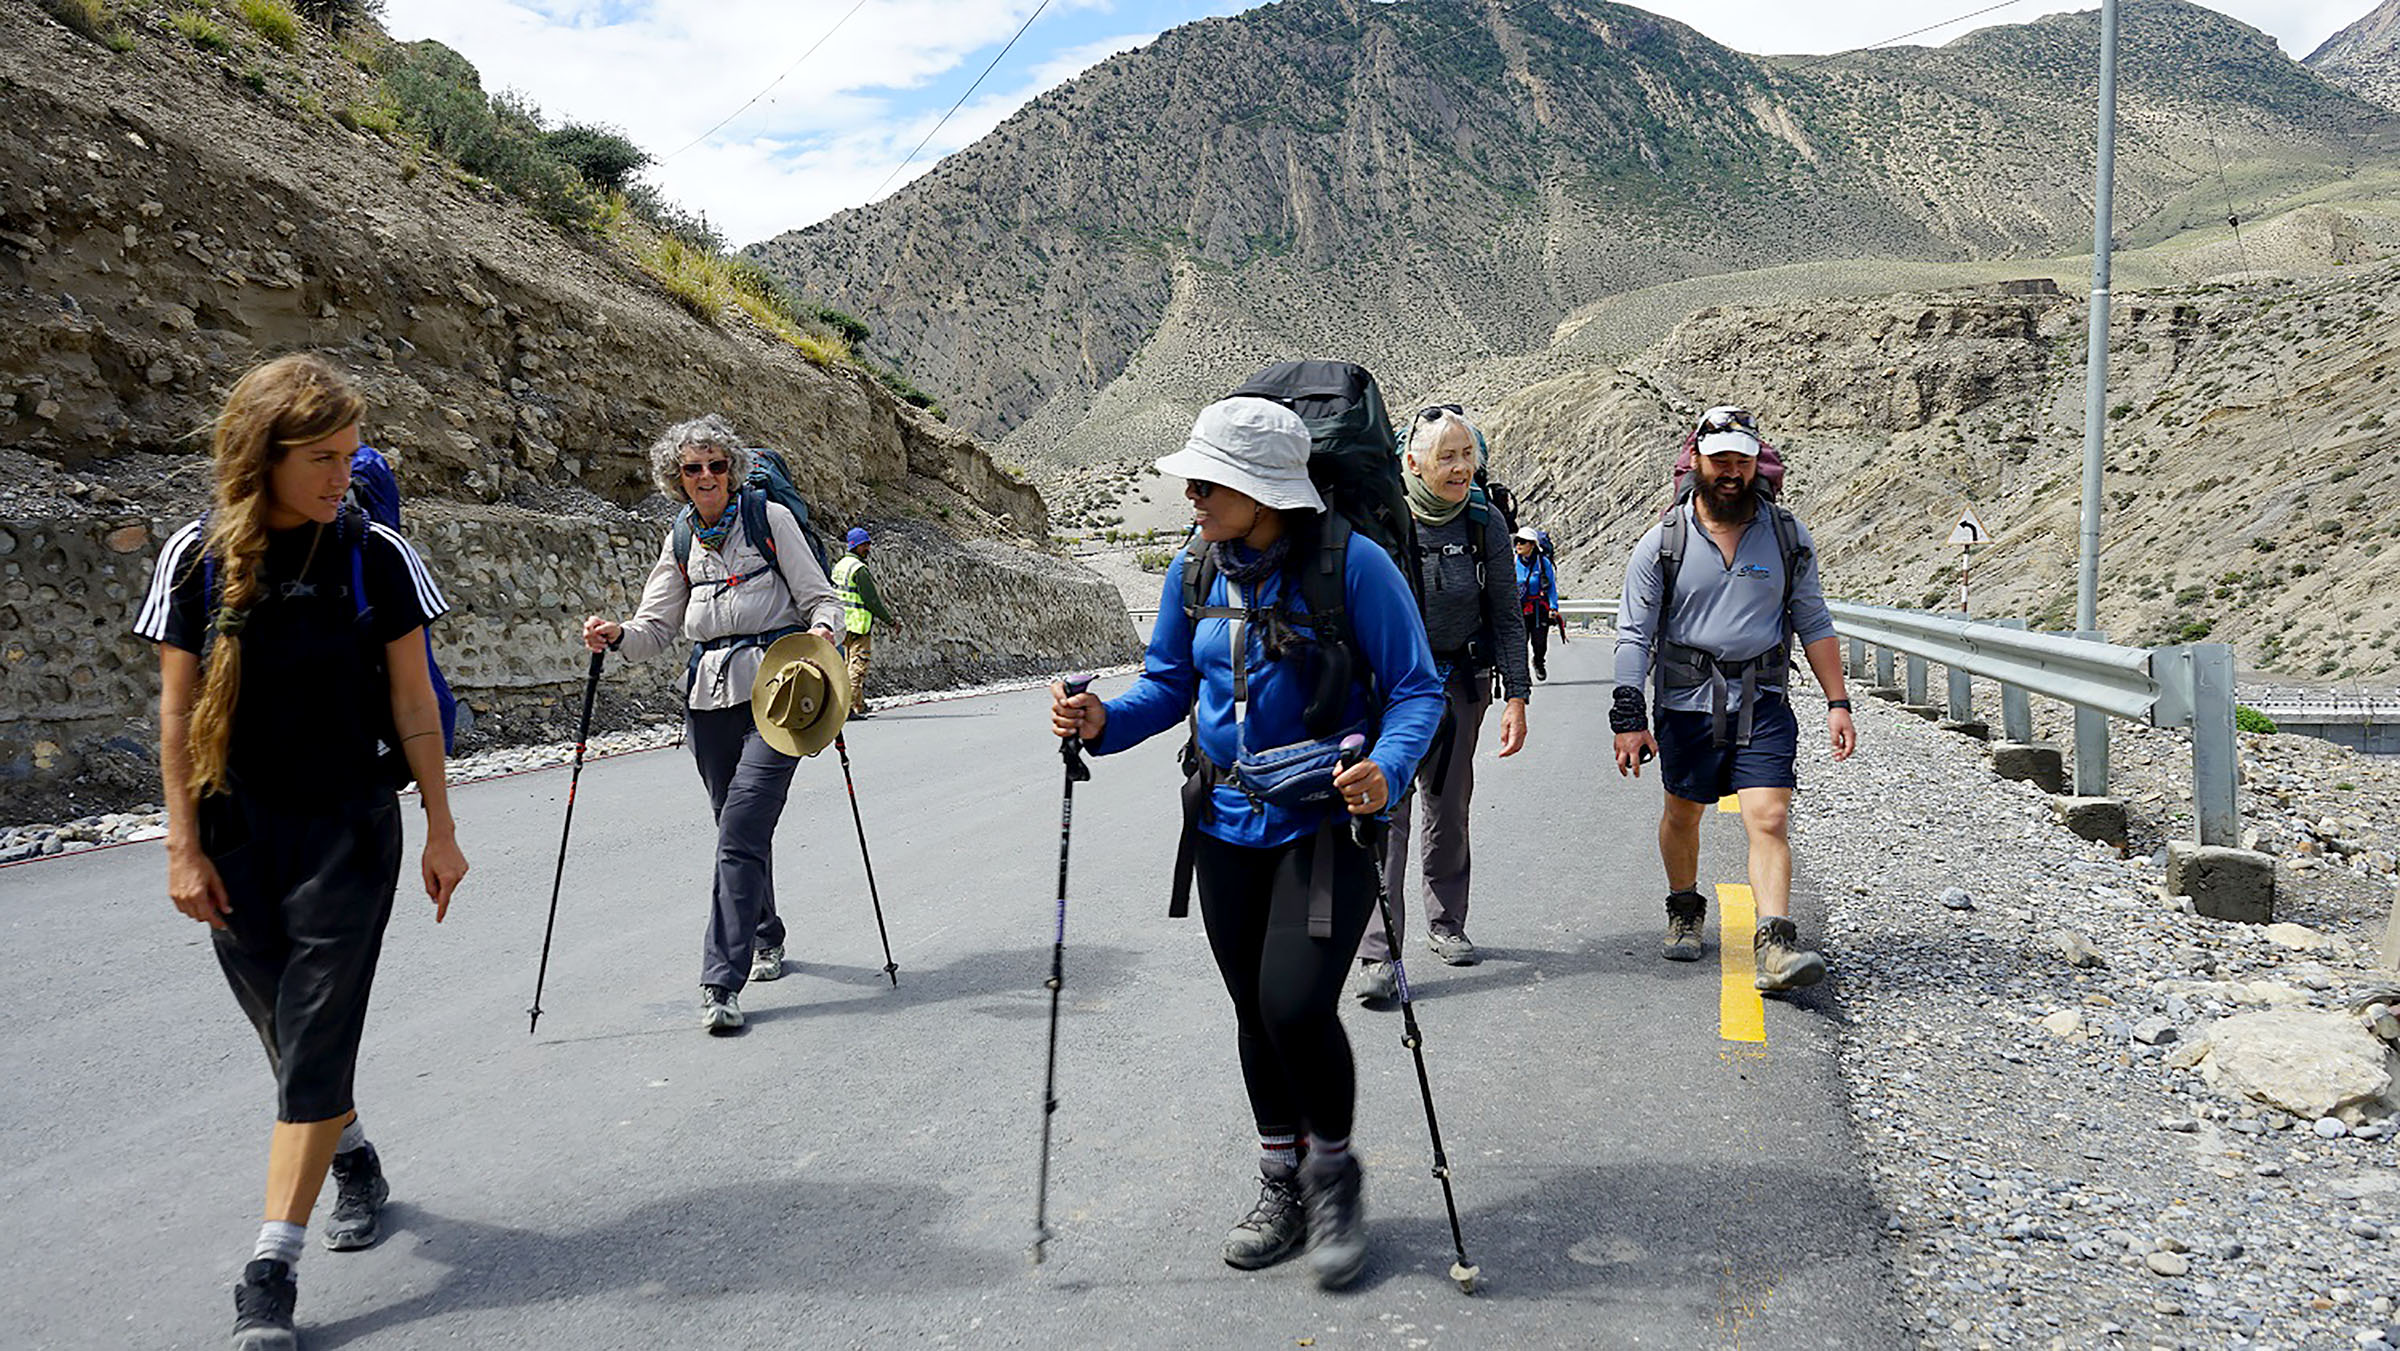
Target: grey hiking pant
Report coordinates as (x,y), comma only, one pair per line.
(747,781)
(1445,801)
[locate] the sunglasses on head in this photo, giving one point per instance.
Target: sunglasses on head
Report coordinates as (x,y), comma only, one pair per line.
(1728,420)
(695,470)
(1433,412)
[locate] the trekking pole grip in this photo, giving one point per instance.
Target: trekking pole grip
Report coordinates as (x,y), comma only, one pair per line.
(1354,749)
(1070,749)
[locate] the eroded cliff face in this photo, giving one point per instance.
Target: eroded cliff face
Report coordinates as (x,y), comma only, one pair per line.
(163,226)
(2251,465)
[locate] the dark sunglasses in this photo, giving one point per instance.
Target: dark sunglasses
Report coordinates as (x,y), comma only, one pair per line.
(1199,489)
(1433,412)
(706,467)
(1732,419)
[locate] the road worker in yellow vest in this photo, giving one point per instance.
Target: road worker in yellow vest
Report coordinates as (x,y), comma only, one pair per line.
(862,609)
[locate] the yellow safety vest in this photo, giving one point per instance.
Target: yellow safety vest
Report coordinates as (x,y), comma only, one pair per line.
(855,616)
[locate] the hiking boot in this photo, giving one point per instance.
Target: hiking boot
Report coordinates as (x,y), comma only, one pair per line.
(359,1194)
(1456,949)
(1540,672)
(1337,1221)
(859,709)
(1273,1230)
(262,1307)
(767,963)
(1782,963)
(1687,913)
(720,1012)
(1376,983)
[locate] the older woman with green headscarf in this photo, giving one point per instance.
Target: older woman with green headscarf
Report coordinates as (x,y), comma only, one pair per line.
(1468,587)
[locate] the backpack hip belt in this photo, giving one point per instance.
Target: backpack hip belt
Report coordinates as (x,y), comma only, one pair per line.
(691,670)
(1682,668)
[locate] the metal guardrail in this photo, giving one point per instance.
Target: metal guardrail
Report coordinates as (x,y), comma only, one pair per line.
(2190,687)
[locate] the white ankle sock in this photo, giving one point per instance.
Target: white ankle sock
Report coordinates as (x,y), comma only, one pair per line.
(281,1241)
(354,1136)
(1278,1155)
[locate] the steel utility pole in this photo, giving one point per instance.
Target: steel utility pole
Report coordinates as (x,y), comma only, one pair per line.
(2095,413)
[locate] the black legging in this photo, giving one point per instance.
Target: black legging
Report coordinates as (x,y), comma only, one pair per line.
(1286,986)
(1537,630)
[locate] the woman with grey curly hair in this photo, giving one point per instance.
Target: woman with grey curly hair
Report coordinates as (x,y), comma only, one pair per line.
(697,590)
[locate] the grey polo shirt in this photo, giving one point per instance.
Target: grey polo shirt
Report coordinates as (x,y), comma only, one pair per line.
(1733,610)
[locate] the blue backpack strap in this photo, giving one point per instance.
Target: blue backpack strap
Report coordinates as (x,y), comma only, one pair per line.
(354,524)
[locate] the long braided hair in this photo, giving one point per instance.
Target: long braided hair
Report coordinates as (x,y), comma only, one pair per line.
(290,401)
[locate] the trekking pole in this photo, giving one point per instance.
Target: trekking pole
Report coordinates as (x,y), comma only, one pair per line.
(583,733)
(1366,832)
(890,967)
(1070,749)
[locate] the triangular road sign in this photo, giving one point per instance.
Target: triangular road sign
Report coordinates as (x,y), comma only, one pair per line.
(1969,529)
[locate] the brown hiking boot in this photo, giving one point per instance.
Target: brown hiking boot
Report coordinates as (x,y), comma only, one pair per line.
(1687,913)
(1782,963)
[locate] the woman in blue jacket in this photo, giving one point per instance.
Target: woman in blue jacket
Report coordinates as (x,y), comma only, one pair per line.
(1284,892)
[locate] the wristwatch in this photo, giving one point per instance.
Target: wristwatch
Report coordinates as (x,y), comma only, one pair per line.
(1832,704)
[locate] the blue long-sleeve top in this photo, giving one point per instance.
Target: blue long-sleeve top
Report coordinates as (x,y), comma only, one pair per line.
(1537,581)
(1188,663)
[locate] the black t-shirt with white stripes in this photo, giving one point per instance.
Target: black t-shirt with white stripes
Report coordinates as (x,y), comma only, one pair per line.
(315,710)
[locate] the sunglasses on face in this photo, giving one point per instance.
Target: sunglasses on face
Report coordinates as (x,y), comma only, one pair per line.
(1198,489)
(692,469)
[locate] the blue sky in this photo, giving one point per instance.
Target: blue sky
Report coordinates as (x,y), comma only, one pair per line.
(838,127)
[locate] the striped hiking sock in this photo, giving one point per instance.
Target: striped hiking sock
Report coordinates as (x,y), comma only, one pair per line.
(1278,1155)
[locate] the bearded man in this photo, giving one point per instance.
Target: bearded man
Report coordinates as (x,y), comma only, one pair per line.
(1714,596)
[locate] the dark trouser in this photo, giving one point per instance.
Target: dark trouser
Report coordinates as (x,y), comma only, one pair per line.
(1287,986)
(311,893)
(1448,868)
(1537,632)
(747,781)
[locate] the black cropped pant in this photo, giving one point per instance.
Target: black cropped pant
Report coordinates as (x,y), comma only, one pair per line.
(1287,986)
(311,893)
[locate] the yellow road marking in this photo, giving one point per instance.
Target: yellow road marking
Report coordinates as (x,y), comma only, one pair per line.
(1730,803)
(1741,1016)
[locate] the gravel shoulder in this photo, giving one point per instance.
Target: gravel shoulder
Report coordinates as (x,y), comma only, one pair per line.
(2063,1184)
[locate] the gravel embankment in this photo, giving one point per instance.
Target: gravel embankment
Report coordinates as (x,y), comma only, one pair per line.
(2058,1183)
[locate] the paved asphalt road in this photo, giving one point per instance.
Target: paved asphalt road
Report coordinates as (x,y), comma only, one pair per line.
(859,1166)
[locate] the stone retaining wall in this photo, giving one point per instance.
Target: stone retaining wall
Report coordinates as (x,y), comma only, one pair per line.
(78,692)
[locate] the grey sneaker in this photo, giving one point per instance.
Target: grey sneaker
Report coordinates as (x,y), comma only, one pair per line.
(1782,963)
(1456,949)
(262,1307)
(767,963)
(1273,1230)
(720,1011)
(1337,1223)
(359,1194)
(1376,983)
(1687,913)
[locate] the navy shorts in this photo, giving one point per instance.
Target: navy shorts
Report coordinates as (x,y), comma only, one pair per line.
(1698,770)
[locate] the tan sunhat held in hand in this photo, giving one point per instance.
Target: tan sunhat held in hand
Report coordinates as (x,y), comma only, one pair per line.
(802,694)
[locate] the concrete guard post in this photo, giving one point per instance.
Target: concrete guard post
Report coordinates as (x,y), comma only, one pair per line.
(2224,881)
(2015,755)
(1885,687)
(1916,702)
(2091,812)
(1960,716)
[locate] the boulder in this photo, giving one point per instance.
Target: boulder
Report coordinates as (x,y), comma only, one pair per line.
(2310,1063)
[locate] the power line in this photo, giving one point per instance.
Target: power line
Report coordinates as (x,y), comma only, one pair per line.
(787,72)
(1913,32)
(962,102)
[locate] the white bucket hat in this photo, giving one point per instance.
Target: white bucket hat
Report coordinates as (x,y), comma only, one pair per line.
(1254,446)
(1528,535)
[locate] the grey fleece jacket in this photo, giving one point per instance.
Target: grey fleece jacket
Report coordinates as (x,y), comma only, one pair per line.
(1456,610)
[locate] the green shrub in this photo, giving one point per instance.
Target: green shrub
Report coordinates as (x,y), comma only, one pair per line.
(338,15)
(1154,560)
(272,20)
(853,330)
(2248,719)
(2194,631)
(604,156)
(440,97)
(91,19)
(201,31)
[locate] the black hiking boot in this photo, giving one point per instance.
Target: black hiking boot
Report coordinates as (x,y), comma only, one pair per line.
(262,1307)
(1337,1221)
(1687,914)
(359,1194)
(1273,1230)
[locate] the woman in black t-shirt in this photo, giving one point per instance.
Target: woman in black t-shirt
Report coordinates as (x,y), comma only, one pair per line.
(294,700)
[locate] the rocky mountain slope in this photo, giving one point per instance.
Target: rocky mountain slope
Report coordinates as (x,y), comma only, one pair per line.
(173,211)
(2365,57)
(1417,185)
(2250,447)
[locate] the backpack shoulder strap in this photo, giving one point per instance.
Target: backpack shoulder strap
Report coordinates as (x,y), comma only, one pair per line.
(683,540)
(1787,544)
(1675,532)
(350,524)
(754,521)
